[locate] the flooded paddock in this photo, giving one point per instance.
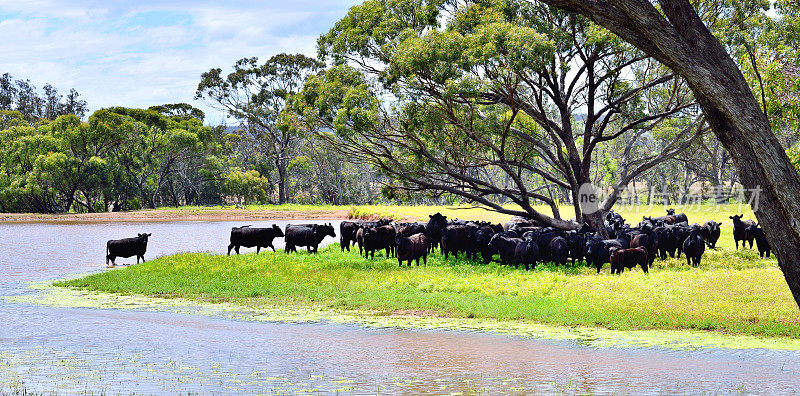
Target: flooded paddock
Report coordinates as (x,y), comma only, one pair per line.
(69,350)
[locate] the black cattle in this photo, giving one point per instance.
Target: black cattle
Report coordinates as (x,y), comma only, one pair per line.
(694,246)
(433,230)
(412,248)
(250,237)
(558,250)
(679,234)
(126,248)
(761,240)
(679,218)
(379,238)
(506,247)
(646,239)
(309,235)
(666,242)
(628,258)
(526,253)
(740,230)
(482,237)
(347,234)
(409,229)
(460,238)
(712,233)
(576,244)
(599,252)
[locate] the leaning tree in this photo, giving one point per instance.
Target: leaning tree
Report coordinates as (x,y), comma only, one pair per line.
(494,101)
(672,32)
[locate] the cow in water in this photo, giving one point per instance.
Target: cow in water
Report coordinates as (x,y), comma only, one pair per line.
(309,235)
(250,237)
(126,248)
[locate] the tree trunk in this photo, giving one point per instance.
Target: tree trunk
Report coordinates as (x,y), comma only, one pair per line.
(683,43)
(283,192)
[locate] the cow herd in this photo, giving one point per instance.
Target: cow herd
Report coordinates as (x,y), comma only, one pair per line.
(519,242)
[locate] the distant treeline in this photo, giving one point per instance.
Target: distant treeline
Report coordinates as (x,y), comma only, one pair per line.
(127,159)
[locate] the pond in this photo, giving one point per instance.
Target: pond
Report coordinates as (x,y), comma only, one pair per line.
(67,350)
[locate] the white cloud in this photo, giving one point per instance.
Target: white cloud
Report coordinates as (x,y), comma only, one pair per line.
(111,53)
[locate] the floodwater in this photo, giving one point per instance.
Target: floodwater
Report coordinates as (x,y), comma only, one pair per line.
(72,350)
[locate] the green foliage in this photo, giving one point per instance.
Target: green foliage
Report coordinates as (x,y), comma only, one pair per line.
(248,186)
(121,158)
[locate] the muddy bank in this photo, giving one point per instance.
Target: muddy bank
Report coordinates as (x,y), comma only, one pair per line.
(175,215)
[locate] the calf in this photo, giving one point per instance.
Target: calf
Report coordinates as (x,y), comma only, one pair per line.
(412,248)
(694,246)
(628,258)
(740,230)
(482,237)
(249,237)
(309,235)
(379,238)
(126,248)
(761,240)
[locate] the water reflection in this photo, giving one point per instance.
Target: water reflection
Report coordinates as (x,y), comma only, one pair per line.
(71,350)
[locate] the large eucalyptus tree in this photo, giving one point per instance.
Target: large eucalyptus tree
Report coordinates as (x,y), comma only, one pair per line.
(254,95)
(494,101)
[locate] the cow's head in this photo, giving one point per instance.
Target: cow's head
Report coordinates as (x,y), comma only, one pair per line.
(278,231)
(671,212)
(144,237)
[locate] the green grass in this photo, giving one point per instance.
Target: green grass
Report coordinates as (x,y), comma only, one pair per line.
(731,292)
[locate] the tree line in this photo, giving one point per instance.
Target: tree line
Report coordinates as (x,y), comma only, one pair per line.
(488,102)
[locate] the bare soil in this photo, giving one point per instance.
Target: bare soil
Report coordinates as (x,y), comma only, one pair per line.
(174,215)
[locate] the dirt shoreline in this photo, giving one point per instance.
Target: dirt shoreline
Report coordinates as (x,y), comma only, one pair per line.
(174,215)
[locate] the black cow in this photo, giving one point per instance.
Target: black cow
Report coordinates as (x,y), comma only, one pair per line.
(433,230)
(712,233)
(249,237)
(628,258)
(740,230)
(309,235)
(347,234)
(507,247)
(379,238)
(412,248)
(126,248)
(460,238)
(599,252)
(761,240)
(679,218)
(409,229)
(558,250)
(694,246)
(527,253)
(482,237)
(646,239)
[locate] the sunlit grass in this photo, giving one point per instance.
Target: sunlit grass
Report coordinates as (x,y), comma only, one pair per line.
(732,292)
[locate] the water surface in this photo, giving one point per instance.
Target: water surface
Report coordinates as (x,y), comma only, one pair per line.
(68,350)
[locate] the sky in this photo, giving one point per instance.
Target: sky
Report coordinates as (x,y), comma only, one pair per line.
(146,52)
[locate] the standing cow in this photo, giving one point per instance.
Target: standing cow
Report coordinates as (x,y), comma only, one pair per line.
(249,237)
(126,248)
(309,235)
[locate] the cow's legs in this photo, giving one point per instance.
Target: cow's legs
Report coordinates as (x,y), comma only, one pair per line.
(258,249)
(229,249)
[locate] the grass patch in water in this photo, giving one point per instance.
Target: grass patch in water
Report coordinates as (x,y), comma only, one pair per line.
(730,293)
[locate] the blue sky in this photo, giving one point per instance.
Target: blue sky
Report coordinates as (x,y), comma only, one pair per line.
(142,53)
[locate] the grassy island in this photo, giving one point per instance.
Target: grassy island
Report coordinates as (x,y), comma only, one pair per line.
(732,292)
